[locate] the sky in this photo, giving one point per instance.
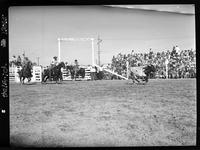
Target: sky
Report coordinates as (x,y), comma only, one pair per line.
(35,30)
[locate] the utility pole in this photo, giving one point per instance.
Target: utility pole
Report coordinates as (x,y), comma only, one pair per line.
(98,43)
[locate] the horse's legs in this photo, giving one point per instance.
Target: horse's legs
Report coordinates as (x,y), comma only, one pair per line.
(61,77)
(131,76)
(135,78)
(45,78)
(146,79)
(23,80)
(75,75)
(50,75)
(42,77)
(57,79)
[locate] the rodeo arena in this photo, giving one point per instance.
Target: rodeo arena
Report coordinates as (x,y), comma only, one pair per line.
(138,99)
(175,64)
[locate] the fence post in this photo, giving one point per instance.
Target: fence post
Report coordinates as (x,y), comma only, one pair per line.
(127,67)
(16,74)
(37,74)
(166,65)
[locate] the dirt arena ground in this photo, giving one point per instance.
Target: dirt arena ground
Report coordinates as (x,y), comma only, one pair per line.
(103,113)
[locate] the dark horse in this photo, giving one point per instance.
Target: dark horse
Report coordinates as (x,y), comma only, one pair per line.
(25,72)
(141,73)
(55,73)
(75,73)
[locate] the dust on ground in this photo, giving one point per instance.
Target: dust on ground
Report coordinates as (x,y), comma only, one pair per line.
(103,113)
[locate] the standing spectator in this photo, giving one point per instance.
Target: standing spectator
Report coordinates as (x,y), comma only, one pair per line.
(150,53)
(177,49)
(132,52)
(13,60)
(173,53)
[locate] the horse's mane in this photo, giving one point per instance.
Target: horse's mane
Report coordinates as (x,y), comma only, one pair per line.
(59,65)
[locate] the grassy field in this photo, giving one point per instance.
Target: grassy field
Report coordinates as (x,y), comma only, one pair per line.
(103,113)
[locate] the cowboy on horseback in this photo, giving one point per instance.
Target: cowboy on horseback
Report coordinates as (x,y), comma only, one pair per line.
(25,62)
(26,70)
(54,63)
(76,66)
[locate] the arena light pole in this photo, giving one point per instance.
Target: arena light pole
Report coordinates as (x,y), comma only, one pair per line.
(127,67)
(59,49)
(92,39)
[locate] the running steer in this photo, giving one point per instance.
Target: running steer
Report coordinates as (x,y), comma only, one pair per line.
(141,74)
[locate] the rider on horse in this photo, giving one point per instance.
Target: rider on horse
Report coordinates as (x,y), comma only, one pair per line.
(54,63)
(26,62)
(76,66)
(26,69)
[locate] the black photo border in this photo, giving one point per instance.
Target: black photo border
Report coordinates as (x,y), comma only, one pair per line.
(4,54)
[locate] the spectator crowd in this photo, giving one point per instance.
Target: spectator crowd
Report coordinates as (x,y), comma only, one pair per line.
(181,63)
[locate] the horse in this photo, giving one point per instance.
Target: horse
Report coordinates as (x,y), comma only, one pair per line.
(76,72)
(100,75)
(141,73)
(25,72)
(55,73)
(80,72)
